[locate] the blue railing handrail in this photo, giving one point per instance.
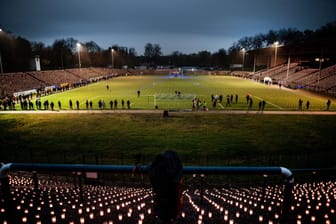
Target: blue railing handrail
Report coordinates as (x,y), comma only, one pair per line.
(248,170)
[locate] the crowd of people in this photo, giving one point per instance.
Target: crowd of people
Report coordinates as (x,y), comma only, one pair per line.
(198,104)
(27,103)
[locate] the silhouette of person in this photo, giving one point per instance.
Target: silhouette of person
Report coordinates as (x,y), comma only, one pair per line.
(328,104)
(300,104)
(77,104)
(165,175)
(307,105)
(128,104)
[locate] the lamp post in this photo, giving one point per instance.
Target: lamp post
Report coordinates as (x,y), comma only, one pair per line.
(254,63)
(276,44)
(243,50)
(112,50)
(320,60)
(1,68)
(288,65)
(79,60)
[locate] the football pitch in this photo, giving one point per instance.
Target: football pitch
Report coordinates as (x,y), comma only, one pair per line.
(171,93)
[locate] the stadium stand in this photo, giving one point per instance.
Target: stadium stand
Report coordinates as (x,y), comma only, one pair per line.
(15,82)
(325,80)
(297,76)
(277,73)
(22,81)
(300,74)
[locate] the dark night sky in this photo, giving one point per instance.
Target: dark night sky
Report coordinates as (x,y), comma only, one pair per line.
(184,25)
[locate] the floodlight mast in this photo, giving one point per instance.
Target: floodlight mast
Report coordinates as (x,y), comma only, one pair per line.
(112,51)
(276,45)
(79,59)
(1,67)
(244,51)
(320,60)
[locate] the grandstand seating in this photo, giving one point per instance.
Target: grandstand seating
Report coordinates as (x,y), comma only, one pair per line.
(15,82)
(298,75)
(313,79)
(54,77)
(59,201)
(278,73)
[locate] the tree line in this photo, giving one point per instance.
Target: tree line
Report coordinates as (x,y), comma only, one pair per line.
(17,52)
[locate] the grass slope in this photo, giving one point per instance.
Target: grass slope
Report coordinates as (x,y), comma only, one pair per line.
(200,139)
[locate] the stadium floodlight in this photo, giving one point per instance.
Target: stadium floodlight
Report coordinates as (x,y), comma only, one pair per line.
(244,51)
(1,68)
(320,60)
(276,45)
(112,50)
(79,60)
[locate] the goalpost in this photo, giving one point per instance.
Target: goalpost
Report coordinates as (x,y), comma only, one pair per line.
(171,101)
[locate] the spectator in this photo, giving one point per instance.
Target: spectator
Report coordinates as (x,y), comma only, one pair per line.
(128,104)
(228,102)
(300,104)
(165,175)
(251,103)
(263,105)
(328,104)
(111,104)
(77,104)
(115,104)
(307,105)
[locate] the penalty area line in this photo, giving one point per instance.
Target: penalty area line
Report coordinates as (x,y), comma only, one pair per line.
(269,103)
(221,105)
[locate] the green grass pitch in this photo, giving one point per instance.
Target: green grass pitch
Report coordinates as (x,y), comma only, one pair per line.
(160,91)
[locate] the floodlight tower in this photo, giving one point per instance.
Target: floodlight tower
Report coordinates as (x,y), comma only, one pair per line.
(112,51)
(79,59)
(244,51)
(254,62)
(276,45)
(320,60)
(1,68)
